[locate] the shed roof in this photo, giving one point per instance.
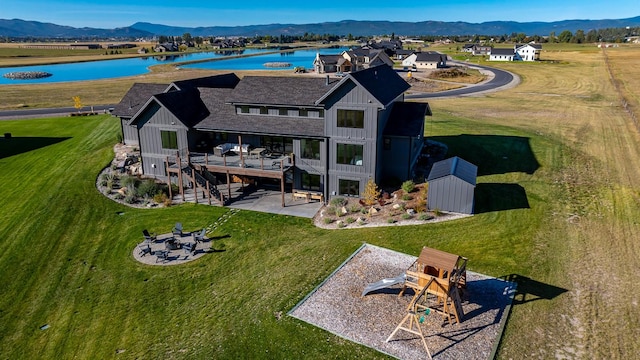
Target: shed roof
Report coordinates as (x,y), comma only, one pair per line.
(501,51)
(455,166)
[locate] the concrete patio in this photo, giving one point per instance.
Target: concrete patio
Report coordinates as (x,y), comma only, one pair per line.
(175,256)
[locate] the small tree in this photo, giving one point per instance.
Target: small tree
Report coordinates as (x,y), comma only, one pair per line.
(77,103)
(371,193)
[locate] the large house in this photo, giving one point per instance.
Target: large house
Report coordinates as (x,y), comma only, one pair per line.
(351,60)
(528,52)
(320,135)
(502,54)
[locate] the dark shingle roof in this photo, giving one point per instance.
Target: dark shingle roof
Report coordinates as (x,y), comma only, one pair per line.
(382,82)
(222,117)
(455,166)
(186,105)
(407,119)
(500,51)
(137,96)
(228,81)
(428,56)
(330,59)
(282,90)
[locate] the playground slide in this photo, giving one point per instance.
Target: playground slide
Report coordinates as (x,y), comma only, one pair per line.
(384,283)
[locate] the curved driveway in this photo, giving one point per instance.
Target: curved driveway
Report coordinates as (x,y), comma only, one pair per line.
(498,80)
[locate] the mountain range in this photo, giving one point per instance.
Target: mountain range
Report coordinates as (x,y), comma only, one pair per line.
(17,28)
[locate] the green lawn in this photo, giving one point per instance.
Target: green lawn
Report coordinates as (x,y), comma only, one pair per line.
(67,258)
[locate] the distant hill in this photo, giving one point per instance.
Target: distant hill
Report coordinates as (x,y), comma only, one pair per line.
(22,28)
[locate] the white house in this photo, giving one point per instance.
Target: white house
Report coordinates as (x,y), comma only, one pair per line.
(502,55)
(425,60)
(528,52)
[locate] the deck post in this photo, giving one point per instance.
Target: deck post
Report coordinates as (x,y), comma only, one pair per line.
(240,145)
(282,188)
(228,185)
(195,184)
(166,168)
(206,158)
(180,181)
(208,192)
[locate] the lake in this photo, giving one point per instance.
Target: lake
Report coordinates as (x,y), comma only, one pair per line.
(108,69)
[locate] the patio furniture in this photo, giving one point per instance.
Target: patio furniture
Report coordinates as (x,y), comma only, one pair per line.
(144,248)
(177,230)
(172,243)
(162,255)
(199,237)
(189,248)
(148,237)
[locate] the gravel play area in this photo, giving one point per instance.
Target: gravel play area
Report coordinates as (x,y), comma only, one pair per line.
(337,306)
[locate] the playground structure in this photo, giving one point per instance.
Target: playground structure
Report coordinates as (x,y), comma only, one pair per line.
(437,278)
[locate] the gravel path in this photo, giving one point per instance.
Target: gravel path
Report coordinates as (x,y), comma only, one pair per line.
(336,306)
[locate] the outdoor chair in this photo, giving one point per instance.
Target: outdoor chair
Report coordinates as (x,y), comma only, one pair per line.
(177,230)
(199,237)
(162,255)
(148,237)
(189,248)
(144,248)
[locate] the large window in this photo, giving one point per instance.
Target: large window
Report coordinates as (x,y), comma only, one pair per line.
(169,139)
(351,118)
(349,154)
(349,187)
(310,149)
(310,182)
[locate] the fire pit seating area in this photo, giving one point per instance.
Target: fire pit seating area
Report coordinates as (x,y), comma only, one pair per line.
(172,248)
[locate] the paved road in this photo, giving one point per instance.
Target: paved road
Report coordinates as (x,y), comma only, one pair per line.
(498,80)
(39,113)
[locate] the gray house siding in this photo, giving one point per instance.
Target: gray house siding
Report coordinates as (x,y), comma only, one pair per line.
(450,193)
(129,133)
(395,163)
(150,124)
(351,97)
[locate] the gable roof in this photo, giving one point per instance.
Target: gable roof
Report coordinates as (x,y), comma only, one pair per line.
(280,90)
(407,119)
(382,82)
(135,98)
(329,59)
(185,105)
(455,166)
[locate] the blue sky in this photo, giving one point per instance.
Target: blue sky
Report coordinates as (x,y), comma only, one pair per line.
(119,13)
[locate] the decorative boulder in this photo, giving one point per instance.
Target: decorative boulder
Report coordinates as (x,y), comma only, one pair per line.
(344,210)
(396,206)
(411,212)
(372,211)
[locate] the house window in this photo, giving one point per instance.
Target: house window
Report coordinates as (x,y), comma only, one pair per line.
(349,154)
(349,187)
(387,143)
(264,110)
(310,149)
(310,182)
(303,113)
(169,139)
(283,111)
(244,109)
(351,118)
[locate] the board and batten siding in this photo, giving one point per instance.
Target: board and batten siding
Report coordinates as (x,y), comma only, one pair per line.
(351,97)
(129,133)
(451,193)
(154,120)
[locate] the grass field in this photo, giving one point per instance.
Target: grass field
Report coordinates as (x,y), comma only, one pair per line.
(558,198)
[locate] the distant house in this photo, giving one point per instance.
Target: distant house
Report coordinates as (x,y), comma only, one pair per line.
(401,54)
(502,54)
(351,60)
(468,48)
(425,60)
(323,136)
(528,52)
(331,64)
(166,47)
(452,185)
(481,49)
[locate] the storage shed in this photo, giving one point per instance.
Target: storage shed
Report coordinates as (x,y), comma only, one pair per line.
(452,184)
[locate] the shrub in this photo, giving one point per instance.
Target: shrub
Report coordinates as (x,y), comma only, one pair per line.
(331,209)
(421,205)
(341,224)
(129,181)
(371,193)
(361,222)
(338,211)
(406,197)
(350,220)
(160,197)
(391,220)
(425,217)
(437,212)
(406,216)
(148,188)
(355,208)
(327,220)
(118,196)
(338,201)
(408,186)
(109,185)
